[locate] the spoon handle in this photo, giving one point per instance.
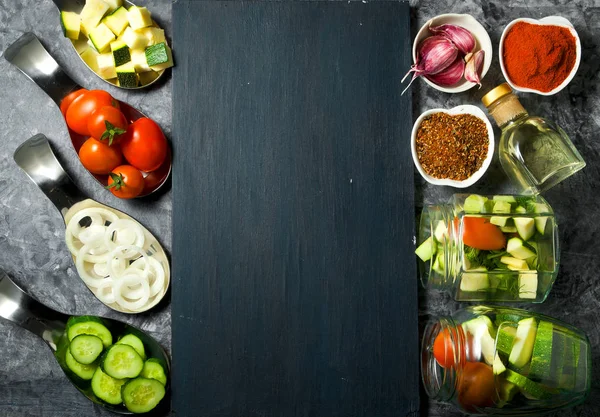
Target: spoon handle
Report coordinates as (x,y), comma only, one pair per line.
(20,308)
(36,158)
(28,54)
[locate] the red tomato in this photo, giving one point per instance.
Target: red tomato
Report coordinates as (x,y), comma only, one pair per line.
(444,347)
(144,145)
(83,106)
(479,233)
(125,181)
(107,124)
(476,387)
(66,102)
(98,157)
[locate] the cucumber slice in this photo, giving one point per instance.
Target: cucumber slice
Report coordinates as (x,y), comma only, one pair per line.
(515,248)
(122,361)
(83,371)
(71,24)
(520,354)
(88,325)
(474,204)
(106,388)
(438,264)
(153,369)
(520,210)
(542,352)
(135,342)
(426,250)
(141,395)
(86,348)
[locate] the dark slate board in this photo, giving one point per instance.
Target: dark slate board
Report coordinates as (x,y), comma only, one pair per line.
(294,287)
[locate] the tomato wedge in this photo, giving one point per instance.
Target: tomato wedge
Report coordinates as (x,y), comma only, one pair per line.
(479,233)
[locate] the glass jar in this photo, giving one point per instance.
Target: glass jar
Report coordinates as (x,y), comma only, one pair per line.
(489,248)
(499,360)
(535,153)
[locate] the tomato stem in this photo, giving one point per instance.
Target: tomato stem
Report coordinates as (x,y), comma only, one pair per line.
(110,132)
(117,181)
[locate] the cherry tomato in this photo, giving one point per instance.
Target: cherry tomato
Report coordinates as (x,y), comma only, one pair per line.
(107,124)
(479,233)
(125,181)
(144,145)
(83,106)
(98,157)
(444,347)
(66,102)
(476,387)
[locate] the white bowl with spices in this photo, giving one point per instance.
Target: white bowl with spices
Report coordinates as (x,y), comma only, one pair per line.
(549,21)
(437,138)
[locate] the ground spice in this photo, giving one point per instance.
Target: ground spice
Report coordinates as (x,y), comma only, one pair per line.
(540,57)
(452,147)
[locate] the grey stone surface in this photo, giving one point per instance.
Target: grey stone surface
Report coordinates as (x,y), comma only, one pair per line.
(31,230)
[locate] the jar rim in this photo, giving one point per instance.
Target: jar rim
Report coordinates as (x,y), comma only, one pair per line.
(439,382)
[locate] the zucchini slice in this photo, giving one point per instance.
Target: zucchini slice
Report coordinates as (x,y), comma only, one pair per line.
(86,348)
(153,369)
(106,388)
(122,361)
(88,325)
(85,372)
(135,342)
(141,395)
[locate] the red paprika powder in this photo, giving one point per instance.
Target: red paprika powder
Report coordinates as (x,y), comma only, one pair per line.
(538,56)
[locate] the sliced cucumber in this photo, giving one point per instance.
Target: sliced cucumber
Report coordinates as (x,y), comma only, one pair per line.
(153,369)
(540,221)
(122,361)
(88,325)
(106,66)
(141,395)
(83,371)
(508,229)
(154,35)
(135,342)
(106,388)
(91,14)
(500,221)
(86,348)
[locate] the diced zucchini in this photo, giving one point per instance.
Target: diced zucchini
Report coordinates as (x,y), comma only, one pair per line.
(122,361)
(475,204)
(426,250)
(88,325)
(441,231)
(506,198)
(83,371)
(71,24)
(86,348)
(154,35)
(106,388)
(526,385)
(120,52)
(146,77)
(113,4)
(141,395)
(159,56)
(516,249)
(528,283)
(91,15)
(475,280)
(127,76)
(525,227)
(499,220)
(106,66)
(520,354)
(138,57)
(101,36)
(135,342)
(501,207)
(482,329)
(139,17)
(117,21)
(540,221)
(153,369)
(90,57)
(134,39)
(520,264)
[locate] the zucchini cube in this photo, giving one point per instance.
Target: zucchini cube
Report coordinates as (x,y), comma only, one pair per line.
(139,17)
(91,15)
(71,24)
(101,37)
(159,56)
(106,66)
(117,21)
(138,57)
(127,76)
(134,39)
(120,52)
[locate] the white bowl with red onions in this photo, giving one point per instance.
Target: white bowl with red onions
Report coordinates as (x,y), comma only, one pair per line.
(452,53)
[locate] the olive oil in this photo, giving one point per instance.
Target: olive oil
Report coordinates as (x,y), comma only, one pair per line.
(535,153)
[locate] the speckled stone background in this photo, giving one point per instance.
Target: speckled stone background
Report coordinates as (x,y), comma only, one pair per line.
(32,251)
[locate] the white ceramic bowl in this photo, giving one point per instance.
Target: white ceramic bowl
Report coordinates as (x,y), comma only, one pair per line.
(482,41)
(550,20)
(464,109)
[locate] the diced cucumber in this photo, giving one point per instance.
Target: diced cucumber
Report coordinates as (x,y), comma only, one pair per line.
(120,52)
(88,325)
(138,57)
(135,342)
(106,388)
(71,24)
(86,348)
(134,39)
(154,35)
(508,229)
(528,283)
(101,36)
(139,17)
(441,231)
(498,367)
(518,264)
(83,371)
(482,330)
(506,198)
(474,204)
(505,339)
(499,220)
(90,57)
(542,352)
(117,21)
(525,227)
(520,353)
(113,4)
(475,279)
(153,369)
(106,66)
(426,250)
(122,361)
(159,56)
(526,385)
(91,15)
(141,395)
(127,76)
(515,248)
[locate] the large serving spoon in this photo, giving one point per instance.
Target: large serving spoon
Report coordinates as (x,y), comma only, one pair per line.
(20,308)
(36,158)
(29,56)
(76,6)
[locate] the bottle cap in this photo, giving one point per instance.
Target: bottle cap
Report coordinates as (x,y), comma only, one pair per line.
(495,94)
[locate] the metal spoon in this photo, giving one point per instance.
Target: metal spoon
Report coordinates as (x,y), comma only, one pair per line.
(76,6)
(20,308)
(36,158)
(29,56)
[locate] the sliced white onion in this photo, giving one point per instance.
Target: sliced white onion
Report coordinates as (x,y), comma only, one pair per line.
(92,234)
(125,232)
(98,216)
(131,281)
(105,292)
(157,277)
(89,277)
